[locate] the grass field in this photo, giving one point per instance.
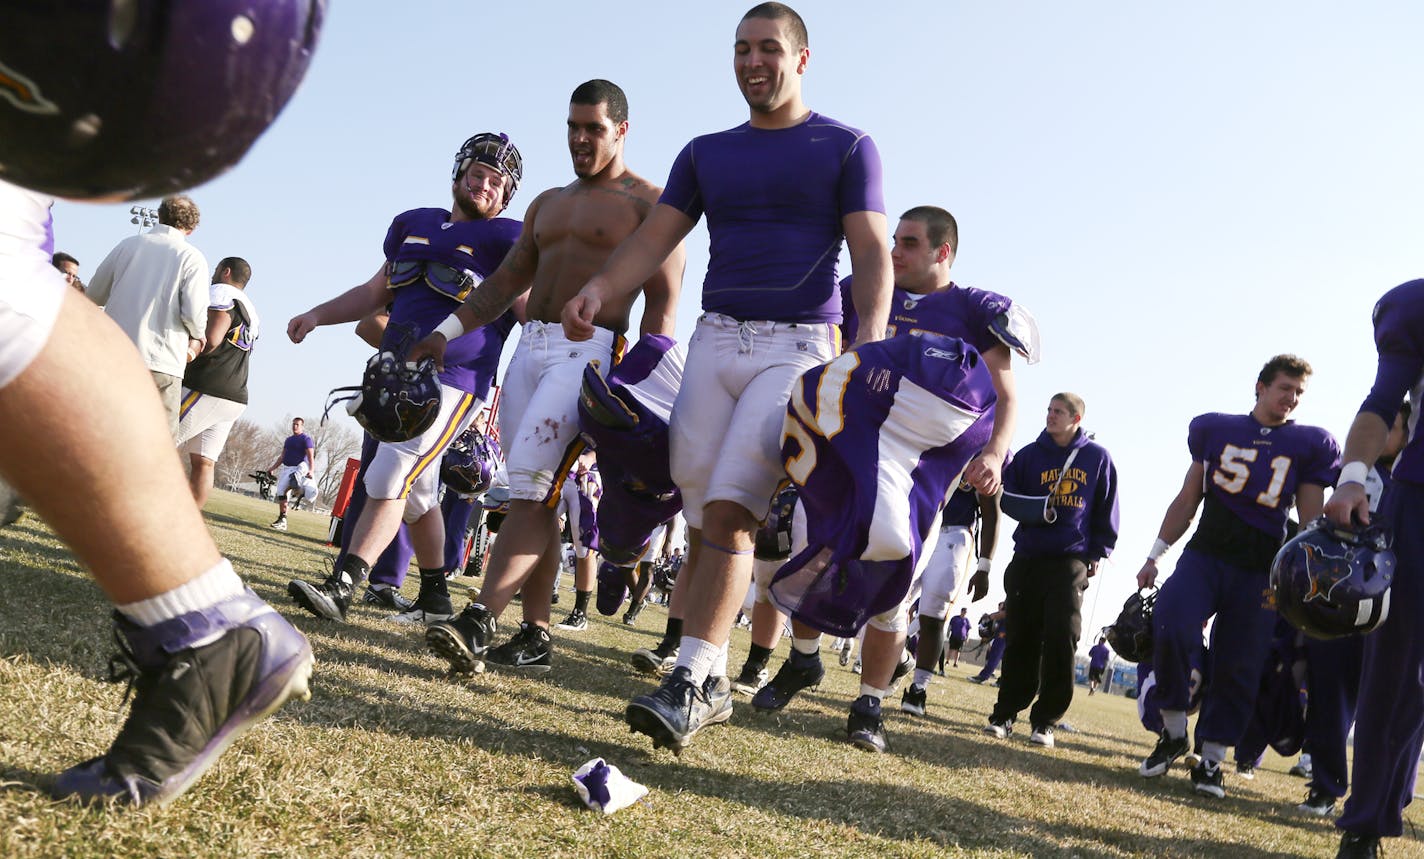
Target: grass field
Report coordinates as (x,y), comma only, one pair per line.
(393,758)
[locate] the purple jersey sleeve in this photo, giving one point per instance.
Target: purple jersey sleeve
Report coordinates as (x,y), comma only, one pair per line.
(1399,340)
(681,191)
(861,188)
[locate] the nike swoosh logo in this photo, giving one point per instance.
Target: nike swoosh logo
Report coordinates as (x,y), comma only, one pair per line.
(526,659)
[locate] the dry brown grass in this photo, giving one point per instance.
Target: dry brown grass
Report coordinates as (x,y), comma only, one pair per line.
(392,758)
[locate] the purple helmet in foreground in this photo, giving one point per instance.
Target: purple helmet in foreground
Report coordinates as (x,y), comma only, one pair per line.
(1332,582)
(138,99)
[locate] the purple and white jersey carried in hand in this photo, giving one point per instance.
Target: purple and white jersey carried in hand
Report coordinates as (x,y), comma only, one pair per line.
(980,318)
(1399,340)
(433,262)
(1253,470)
(625,420)
(774,200)
(876,439)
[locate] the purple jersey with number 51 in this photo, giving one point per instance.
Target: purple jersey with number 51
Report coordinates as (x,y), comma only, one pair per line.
(876,440)
(1254,470)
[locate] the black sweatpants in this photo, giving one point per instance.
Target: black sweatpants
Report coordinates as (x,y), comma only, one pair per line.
(1043,612)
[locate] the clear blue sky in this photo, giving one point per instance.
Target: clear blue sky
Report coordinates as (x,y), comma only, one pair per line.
(1177,192)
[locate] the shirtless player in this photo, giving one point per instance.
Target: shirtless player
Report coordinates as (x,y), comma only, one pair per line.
(569,233)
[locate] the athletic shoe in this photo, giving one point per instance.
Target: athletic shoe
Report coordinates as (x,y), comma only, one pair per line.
(1042,736)
(329,600)
(528,652)
(577,621)
(977,680)
(387,598)
(630,616)
(656,661)
(752,678)
(1168,749)
(190,702)
(1318,803)
(463,640)
(674,712)
(799,671)
(1246,771)
(280,523)
(1000,728)
(719,700)
(913,701)
(855,669)
(846,650)
(864,727)
(1302,767)
(421,616)
(1353,845)
(903,667)
(1208,779)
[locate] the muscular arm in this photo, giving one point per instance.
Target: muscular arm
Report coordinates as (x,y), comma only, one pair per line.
(870,265)
(1364,443)
(512,279)
(219,322)
(985,471)
(1179,517)
(660,294)
(351,305)
(631,265)
(988,539)
(311,461)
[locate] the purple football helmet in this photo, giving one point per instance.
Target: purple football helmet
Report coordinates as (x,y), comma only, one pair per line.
(492,150)
(139,99)
(395,401)
(468,466)
(1330,582)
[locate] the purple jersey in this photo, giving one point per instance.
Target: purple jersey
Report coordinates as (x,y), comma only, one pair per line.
(625,420)
(960,311)
(427,253)
(875,440)
(1399,340)
(959,627)
(294,449)
(774,200)
(962,508)
(1253,471)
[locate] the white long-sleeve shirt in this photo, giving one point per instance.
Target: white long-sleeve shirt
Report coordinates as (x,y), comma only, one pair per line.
(155,286)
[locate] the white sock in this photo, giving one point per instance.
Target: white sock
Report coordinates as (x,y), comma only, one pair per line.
(877,694)
(212,587)
(698,656)
(1214,752)
(806,646)
(1175,722)
(922,678)
(719,665)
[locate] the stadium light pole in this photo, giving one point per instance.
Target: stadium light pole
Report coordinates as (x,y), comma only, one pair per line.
(143,217)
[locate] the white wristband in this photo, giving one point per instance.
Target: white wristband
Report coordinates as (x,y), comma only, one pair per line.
(1159,548)
(1354,472)
(985,564)
(451,327)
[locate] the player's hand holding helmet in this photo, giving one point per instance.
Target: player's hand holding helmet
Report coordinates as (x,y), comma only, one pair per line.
(1332,581)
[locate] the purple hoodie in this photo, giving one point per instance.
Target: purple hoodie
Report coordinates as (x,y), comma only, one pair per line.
(1086,500)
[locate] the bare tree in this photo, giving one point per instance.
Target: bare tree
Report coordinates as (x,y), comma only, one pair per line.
(335,443)
(249,448)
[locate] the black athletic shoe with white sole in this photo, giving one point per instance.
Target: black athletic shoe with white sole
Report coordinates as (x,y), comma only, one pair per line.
(1208,779)
(1168,749)
(463,640)
(674,712)
(528,652)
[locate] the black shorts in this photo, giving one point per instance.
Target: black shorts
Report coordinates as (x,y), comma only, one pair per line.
(1095,674)
(956,642)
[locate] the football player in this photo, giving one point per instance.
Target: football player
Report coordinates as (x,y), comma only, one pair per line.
(434,257)
(770,306)
(298,463)
(925,299)
(1247,471)
(572,231)
(1389,725)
